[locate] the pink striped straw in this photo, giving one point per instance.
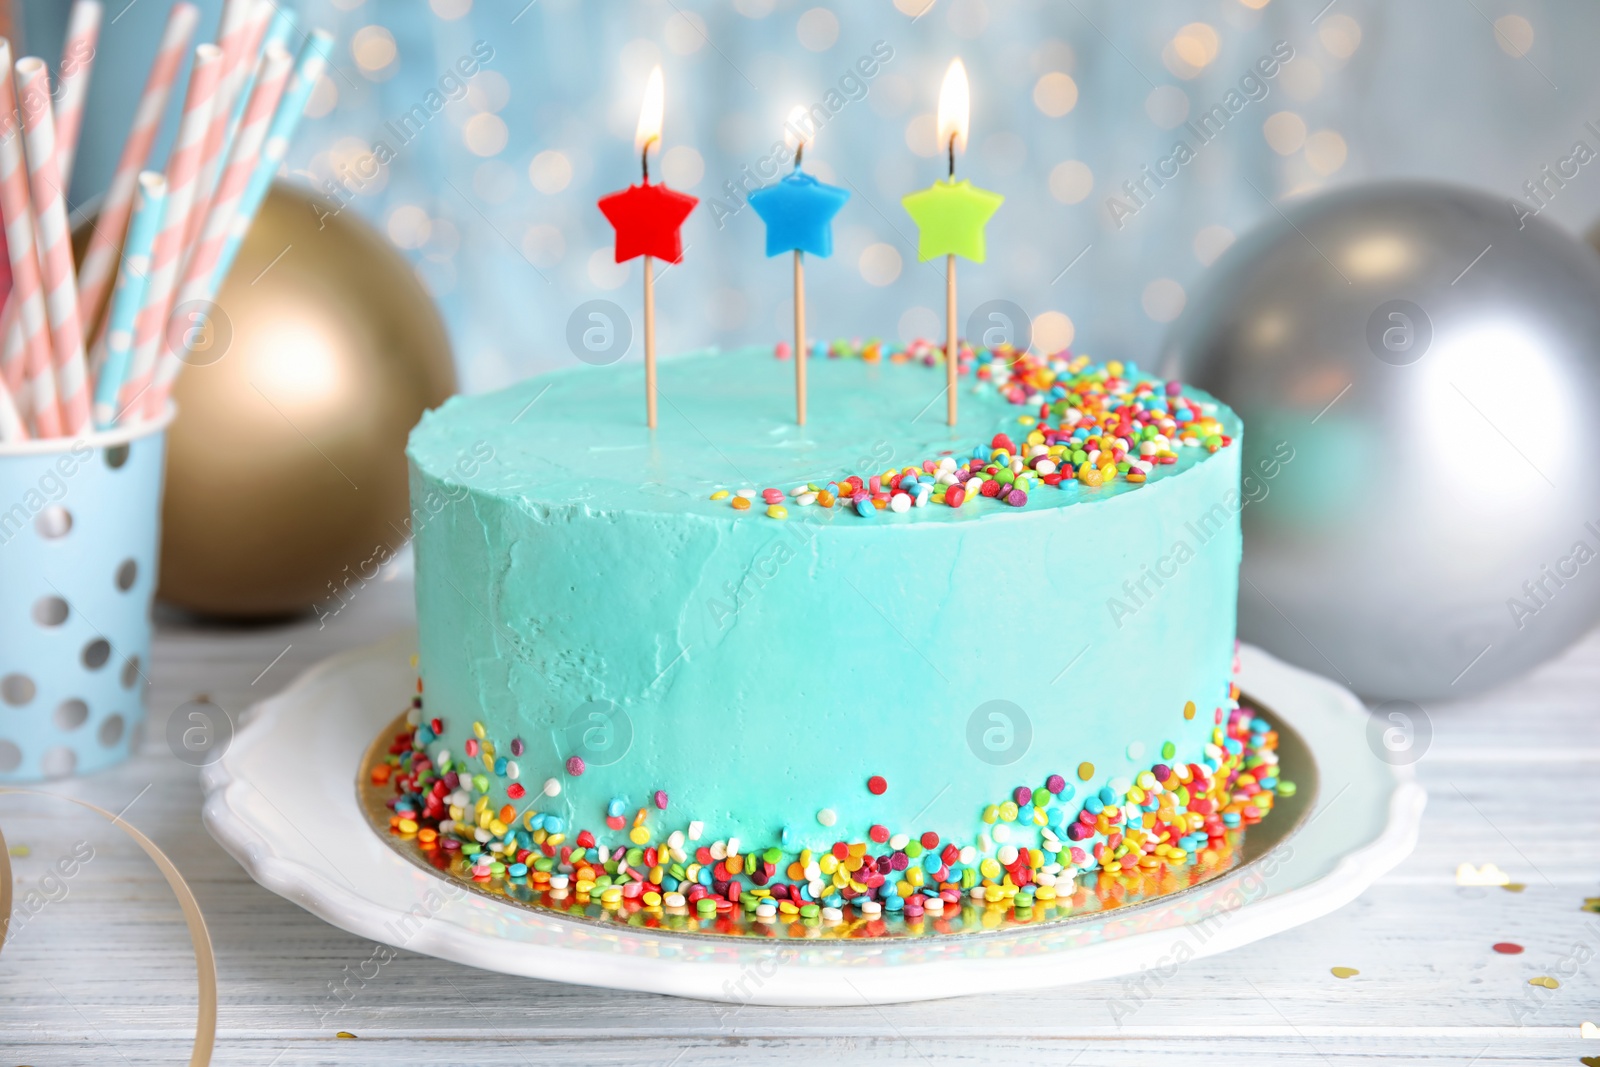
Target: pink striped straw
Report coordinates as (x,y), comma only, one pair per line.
(183,171)
(12,428)
(55,242)
(243,25)
(12,354)
(100,258)
(77,63)
(198,278)
(26,285)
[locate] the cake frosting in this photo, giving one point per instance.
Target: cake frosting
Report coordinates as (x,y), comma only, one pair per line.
(613,653)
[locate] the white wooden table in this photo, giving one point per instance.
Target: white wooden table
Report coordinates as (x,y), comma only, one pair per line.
(104,973)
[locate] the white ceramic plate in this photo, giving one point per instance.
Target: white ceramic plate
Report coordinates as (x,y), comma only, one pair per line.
(282,802)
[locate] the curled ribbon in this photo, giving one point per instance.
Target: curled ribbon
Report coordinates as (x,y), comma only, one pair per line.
(205,960)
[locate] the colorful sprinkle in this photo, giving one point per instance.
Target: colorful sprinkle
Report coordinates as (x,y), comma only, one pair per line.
(1025,855)
(1083,424)
(1344,972)
(1508,948)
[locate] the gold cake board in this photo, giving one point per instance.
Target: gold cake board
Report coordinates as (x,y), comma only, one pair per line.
(1093,895)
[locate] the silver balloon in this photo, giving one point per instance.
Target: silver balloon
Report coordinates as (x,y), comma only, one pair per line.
(1416,367)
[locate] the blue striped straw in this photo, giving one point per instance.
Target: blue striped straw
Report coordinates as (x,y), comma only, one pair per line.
(308,67)
(150,201)
(282,28)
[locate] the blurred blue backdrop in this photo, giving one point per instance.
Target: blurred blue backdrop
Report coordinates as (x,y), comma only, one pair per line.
(493,199)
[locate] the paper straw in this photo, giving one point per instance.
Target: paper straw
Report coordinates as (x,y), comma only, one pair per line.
(308,67)
(199,274)
(12,428)
(282,29)
(279,29)
(239,34)
(55,244)
(100,258)
(183,167)
(132,281)
(17,208)
(77,62)
(14,356)
(12,353)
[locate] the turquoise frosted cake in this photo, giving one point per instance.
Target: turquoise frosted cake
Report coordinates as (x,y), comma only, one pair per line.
(874,662)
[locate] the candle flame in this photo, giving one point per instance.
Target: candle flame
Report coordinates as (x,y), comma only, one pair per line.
(799,131)
(955,107)
(650,113)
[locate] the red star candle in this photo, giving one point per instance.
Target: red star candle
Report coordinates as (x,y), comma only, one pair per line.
(951,215)
(647,219)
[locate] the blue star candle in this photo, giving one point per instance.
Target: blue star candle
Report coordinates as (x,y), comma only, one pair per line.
(798,212)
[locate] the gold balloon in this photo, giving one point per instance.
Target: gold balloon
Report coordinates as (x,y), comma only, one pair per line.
(286,471)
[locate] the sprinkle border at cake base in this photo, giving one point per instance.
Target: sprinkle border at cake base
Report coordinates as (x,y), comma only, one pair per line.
(904,886)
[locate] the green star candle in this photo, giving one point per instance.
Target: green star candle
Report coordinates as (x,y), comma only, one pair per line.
(951,215)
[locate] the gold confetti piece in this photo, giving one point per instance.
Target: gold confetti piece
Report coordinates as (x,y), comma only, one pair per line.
(1589,1061)
(1514,887)
(347,1035)
(1546,981)
(21,850)
(1488,874)
(1590,1031)
(1591,904)
(1344,972)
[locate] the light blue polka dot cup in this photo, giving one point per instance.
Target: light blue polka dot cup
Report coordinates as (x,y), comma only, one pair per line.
(79,522)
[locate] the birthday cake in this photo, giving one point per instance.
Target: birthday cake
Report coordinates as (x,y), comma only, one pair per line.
(875,662)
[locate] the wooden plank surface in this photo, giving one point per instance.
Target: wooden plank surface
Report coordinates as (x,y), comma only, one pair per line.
(102,973)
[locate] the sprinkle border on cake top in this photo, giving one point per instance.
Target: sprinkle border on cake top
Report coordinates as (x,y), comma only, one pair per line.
(634,856)
(1096,423)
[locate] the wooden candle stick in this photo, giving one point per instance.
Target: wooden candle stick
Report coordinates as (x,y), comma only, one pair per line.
(650,341)
(799,337)
(951,344)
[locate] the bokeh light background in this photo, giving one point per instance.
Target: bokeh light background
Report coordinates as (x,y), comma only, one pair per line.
(494,200)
